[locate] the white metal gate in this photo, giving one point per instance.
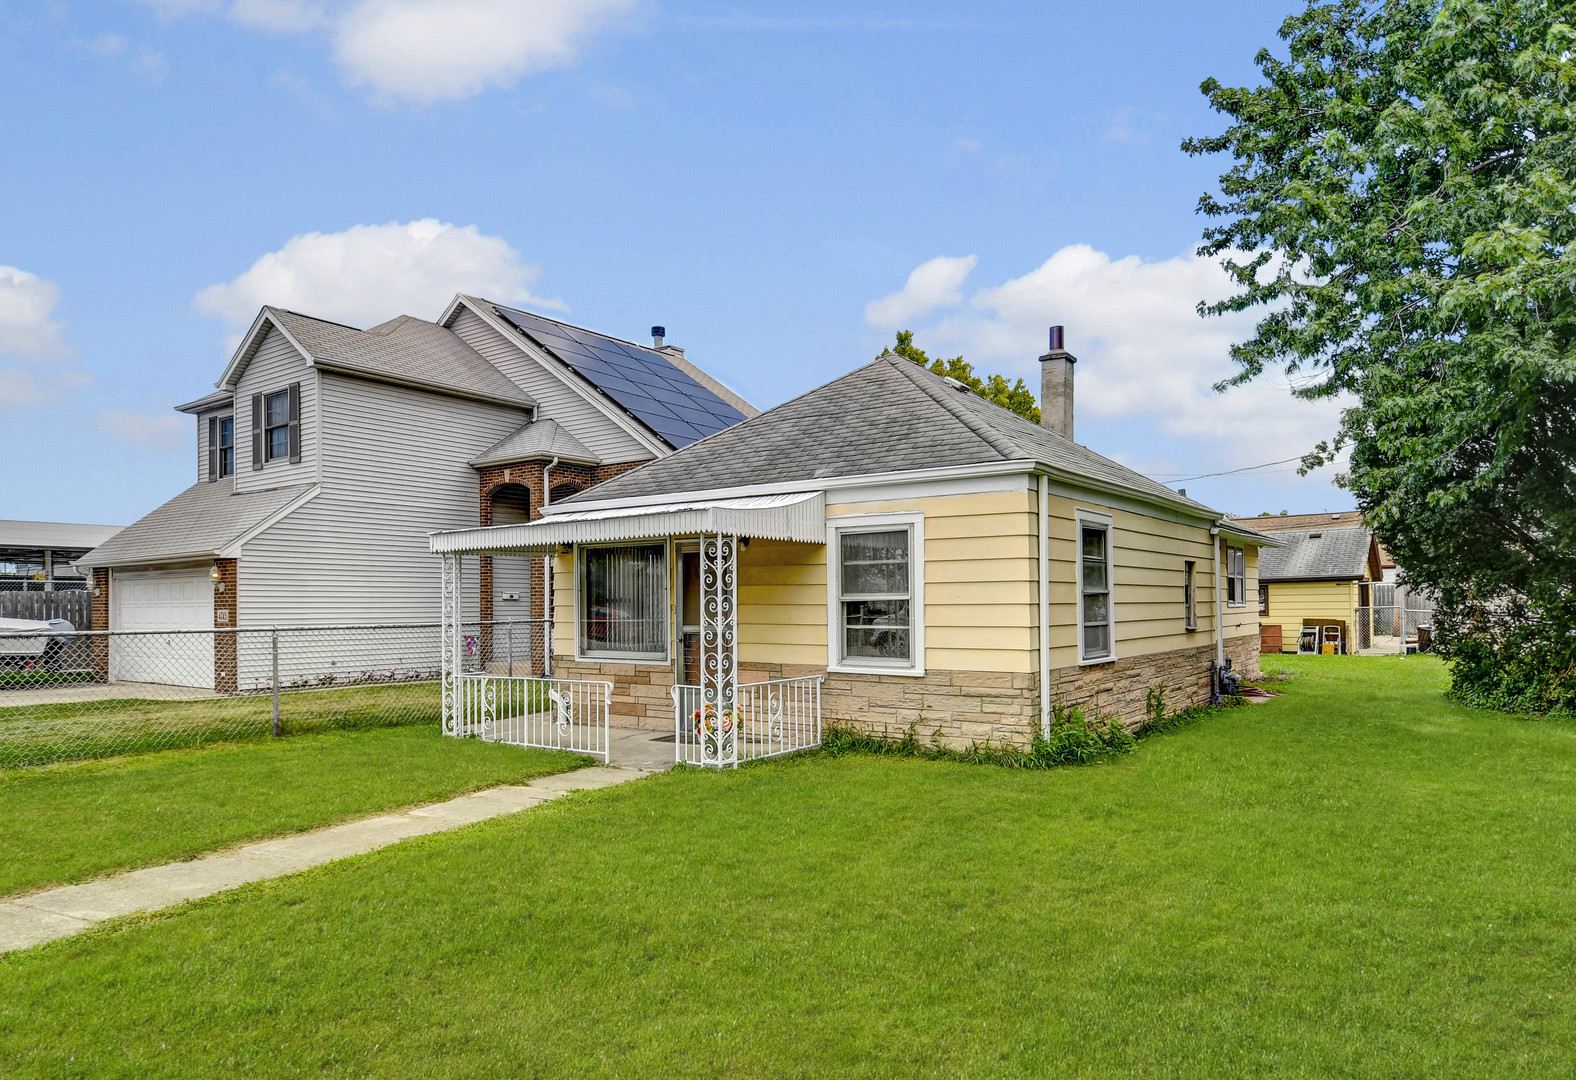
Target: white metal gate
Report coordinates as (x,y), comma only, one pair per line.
(778,716)
(552,714)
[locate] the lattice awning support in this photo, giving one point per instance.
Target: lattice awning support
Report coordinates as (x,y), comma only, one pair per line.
(719,650)
(452,645)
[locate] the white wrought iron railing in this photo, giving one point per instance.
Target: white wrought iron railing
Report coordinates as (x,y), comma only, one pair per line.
(552,714)
(778,716)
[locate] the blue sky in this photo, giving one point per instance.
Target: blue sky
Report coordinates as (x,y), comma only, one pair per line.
(782,186)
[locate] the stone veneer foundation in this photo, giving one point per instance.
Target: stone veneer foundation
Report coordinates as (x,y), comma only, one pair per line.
(960,707)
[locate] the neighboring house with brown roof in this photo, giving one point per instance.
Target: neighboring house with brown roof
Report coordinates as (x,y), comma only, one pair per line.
(939,561)
(1323,574)
(328,453)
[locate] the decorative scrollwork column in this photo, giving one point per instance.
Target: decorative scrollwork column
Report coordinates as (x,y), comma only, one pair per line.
(719,659)
(451,647)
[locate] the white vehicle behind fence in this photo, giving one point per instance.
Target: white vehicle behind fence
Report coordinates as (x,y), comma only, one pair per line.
(32,642)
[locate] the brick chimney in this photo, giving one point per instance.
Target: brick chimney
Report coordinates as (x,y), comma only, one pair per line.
(1056,387)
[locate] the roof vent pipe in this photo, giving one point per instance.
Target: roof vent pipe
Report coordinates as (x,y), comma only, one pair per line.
(657,334)
(1056,387)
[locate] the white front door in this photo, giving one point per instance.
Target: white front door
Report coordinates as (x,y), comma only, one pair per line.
(162,600)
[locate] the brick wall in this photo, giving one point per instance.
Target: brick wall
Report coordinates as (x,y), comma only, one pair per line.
(963,706)
(225,666)
(100,621)
(528,474)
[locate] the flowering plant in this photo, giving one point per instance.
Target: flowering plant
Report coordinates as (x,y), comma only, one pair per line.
(709,723)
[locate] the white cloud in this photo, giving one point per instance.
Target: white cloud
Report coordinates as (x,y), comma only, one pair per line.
(23,387)
(1143,350)
(158,430)
(28,327)
(371,273)
(932,284)
(425,51)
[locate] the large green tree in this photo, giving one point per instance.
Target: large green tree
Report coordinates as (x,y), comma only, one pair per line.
(1014,395)
(1401,207)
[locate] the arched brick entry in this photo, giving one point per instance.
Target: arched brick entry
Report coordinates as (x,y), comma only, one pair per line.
(508,504)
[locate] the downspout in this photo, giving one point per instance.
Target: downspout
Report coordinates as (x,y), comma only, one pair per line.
(547,578)
(1217,666)
(1045,606)
(1220,627)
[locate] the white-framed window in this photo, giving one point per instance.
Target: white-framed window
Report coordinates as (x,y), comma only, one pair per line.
(225,430)
(1236,577)
(876,593)
(1096,599)
(621,602)
(1190,594)
(276,426)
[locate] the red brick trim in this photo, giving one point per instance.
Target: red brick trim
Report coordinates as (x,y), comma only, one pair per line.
(100,621)
(226,669)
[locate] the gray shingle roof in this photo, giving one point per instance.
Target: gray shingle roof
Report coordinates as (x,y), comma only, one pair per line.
(201,521)
(538,439)
(889,416)
(403,350)
(1321,554)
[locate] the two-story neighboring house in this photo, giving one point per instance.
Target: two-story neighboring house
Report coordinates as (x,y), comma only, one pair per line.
(327,454)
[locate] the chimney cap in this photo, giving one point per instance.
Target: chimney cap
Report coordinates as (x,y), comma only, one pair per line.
(1056,339)
(657,334)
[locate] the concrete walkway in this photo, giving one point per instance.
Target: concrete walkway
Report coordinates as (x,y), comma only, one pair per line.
(33,919)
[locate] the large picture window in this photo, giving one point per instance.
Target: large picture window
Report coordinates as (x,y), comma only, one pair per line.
(623,602)
(877,585)
(1094,588)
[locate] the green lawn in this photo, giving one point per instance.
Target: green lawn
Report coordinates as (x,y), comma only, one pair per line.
(71,822)
(35,734)
(1358,879)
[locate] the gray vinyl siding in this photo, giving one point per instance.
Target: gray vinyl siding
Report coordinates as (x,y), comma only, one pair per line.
(555,400)
(512,574)
(394,469)
(276,365)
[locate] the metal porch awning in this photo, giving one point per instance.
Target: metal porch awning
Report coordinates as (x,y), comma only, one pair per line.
(798,517)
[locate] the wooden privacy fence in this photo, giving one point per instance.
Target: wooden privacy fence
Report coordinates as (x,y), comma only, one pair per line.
(75,606)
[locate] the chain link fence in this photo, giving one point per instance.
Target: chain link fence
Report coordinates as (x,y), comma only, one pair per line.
(1393,630)
(85,694)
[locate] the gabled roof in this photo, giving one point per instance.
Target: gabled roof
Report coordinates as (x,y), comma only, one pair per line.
(1341,553)
(1276,523)
(405,351)
(889,416)
(537,439)
(645,383)
(205,520)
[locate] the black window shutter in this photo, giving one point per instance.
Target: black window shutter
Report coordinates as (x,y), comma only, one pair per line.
(257,431)
(213,448)
(295,421)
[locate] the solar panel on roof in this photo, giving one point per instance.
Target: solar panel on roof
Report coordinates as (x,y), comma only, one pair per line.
(643,381)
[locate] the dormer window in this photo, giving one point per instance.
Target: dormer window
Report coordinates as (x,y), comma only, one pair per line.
(276,426)
(221,447)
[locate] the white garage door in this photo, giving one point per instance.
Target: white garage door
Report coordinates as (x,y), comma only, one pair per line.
(163,600)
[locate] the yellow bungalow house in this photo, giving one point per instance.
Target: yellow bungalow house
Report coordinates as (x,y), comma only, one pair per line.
(1315,588)
(888,550)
